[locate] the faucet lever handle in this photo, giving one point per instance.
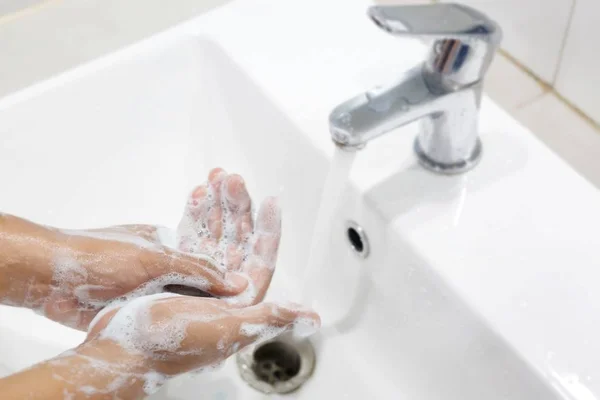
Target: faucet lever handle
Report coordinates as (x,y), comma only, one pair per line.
(465,39)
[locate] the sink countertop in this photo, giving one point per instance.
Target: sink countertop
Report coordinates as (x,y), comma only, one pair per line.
(516,237)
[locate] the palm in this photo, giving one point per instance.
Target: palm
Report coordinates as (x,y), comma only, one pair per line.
(218,222)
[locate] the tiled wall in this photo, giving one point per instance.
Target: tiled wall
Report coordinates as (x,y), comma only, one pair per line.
(534,30)
(553,39)
(579,74)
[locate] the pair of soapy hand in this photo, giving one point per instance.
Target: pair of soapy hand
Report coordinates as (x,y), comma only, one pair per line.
(111,282)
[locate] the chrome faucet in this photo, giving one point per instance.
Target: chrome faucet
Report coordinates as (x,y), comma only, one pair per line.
(443,93)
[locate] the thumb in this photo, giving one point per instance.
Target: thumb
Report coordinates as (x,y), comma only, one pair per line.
(173,267)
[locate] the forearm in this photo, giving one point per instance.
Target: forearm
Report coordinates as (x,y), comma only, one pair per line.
(25,255)
(83,373)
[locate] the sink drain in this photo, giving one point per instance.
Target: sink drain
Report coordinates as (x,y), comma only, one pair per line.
(280,366)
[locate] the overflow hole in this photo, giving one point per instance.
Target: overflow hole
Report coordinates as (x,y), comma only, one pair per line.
(357,239)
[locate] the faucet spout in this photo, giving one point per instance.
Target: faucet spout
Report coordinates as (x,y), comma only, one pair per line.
(448,139)
(373,113)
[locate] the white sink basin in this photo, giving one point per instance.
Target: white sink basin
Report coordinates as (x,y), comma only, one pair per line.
(479,286)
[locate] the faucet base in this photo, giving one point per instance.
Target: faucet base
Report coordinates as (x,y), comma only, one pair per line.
(449,169)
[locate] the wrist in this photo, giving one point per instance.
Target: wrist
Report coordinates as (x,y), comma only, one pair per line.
(110,365)
(25,261)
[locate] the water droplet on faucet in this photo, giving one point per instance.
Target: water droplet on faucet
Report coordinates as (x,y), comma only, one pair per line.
(374,93)
(345,118)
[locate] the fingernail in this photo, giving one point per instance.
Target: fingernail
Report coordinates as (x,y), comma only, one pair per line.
(238,280)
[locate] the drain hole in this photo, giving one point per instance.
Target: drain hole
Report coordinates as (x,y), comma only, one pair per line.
(358,239)
(355,240)
(278,366)
(276,362)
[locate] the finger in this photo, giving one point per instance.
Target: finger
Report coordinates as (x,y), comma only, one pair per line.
(268,231)
(215,172)
(196,271)
(235,256)
(260,265)
(239,207)
(216,178)
(268,320)
(193,224)
(260,276)
(196,204)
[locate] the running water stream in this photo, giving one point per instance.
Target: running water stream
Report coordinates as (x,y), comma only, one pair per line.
(333,190)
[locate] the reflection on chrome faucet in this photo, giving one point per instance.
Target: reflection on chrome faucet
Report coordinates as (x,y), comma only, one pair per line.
(443,93)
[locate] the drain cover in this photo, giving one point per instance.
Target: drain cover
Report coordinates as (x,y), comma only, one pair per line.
(276,362)
(281,365)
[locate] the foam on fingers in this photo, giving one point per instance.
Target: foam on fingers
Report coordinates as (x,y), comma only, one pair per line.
(269,217)
(216,180)
(269,320)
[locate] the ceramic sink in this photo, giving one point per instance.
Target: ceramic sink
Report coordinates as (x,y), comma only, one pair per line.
(484,285)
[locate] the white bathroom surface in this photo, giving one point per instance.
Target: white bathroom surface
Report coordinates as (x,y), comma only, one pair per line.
(32,32)
(479,286)
(42,38)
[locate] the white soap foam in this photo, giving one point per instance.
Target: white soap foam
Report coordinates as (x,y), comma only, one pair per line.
(261,332)
(67,270)
(153,382)
(123,237)
(134,329)
(304,327)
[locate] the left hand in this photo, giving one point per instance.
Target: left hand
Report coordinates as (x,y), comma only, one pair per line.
(71,275)
(218,222)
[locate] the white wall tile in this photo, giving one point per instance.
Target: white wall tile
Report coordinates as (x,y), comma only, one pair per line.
(579,79)
(534,30)
(510,86)
(566,133)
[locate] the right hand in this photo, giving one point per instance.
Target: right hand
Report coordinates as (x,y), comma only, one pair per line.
(163,335)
